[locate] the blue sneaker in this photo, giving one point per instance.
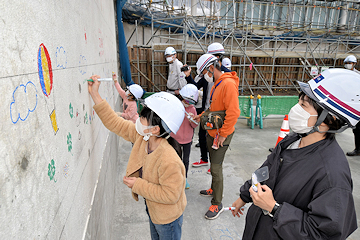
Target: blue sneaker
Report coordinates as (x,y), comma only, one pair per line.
(187,185)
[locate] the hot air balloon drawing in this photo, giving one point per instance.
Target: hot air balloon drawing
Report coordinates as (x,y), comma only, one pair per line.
(46,82)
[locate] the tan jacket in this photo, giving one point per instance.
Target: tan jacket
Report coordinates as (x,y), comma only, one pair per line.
(163,173)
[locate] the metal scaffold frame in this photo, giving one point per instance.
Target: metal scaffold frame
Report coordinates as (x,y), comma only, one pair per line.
(315,33)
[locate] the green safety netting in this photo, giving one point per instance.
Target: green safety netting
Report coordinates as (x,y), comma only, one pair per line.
(273,105)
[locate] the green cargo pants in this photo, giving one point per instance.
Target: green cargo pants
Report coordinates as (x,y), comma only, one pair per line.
(216,161)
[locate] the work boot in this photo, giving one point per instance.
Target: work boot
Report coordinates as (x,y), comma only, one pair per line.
(214,211)
(353,153)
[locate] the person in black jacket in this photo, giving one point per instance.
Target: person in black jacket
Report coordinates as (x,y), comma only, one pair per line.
(309,191)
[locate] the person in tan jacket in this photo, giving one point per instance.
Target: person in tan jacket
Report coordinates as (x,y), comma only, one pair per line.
(155,170)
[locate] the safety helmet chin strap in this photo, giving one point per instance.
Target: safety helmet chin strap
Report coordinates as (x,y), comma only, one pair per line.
(321,119)
(208,69)
(215,64)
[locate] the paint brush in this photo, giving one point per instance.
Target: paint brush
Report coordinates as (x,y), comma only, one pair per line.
(101,80)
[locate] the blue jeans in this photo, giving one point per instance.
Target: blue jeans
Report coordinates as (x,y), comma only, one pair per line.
(170,231)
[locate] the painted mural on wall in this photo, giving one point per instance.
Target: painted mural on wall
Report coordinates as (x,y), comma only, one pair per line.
(24,102)
(46,82)
(48,133)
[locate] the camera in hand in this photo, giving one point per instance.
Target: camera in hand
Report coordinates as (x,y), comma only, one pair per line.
(184,68)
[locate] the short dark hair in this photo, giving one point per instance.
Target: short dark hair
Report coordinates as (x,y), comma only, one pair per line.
(217,65)
(220,55)
(330,121)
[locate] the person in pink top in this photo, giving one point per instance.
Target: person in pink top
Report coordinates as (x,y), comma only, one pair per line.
(129,97)
(188,95)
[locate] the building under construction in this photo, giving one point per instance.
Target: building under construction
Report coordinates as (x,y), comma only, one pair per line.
(271,44)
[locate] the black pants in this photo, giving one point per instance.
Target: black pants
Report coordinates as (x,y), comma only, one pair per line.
(186,148)
(356,132)
(202,140)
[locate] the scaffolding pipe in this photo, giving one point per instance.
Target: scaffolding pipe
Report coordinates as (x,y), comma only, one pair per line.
(194,7)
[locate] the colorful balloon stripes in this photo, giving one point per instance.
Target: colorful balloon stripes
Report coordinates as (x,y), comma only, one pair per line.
(45,70)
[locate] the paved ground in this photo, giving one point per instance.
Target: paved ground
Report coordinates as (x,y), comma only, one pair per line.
(247,152)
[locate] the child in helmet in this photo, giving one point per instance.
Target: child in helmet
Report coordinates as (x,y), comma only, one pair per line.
(188,95)
(309,191)
(129,97)
(154,170)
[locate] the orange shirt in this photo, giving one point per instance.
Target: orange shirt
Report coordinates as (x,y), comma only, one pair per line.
(225,97)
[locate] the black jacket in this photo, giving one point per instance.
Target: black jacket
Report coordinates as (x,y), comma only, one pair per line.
(202,83)
(314,187)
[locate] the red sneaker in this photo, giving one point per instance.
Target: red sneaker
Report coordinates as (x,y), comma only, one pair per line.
(209,171)
(200,163)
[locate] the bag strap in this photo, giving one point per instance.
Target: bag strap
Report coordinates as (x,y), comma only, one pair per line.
(212,92)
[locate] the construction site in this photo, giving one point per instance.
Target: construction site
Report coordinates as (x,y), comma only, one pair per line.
(271,44)
(77,161)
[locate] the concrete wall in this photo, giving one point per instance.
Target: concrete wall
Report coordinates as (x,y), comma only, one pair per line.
(56,156)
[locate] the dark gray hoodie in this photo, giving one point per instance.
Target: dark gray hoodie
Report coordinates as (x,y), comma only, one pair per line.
(314,187)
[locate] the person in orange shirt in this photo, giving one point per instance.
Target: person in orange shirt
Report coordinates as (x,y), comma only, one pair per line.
(223,97)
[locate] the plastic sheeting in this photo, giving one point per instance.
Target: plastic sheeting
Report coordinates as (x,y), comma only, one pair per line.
(132,12)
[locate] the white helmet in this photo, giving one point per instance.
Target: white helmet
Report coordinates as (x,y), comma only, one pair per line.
(136,90)
(169,108)
(190,93)
(215,48)
(350,58)
(226,62)
(337,91)
(169,51)
(204,61)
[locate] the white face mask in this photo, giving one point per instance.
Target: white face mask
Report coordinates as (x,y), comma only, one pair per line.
(348,66)
(140,129)
(169,59)
(208,79)
(298,119)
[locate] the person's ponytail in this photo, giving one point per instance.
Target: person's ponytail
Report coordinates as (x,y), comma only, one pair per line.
(175,145)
